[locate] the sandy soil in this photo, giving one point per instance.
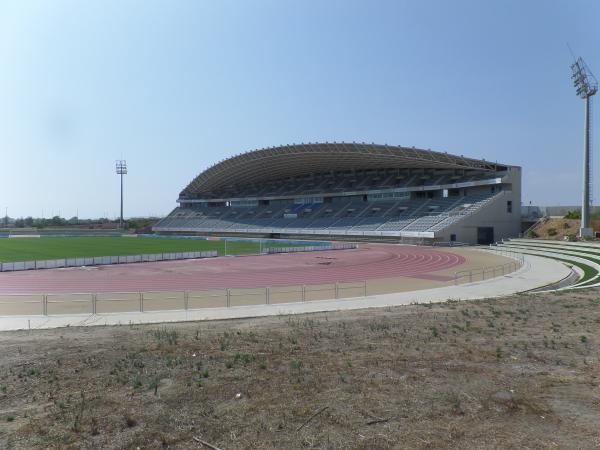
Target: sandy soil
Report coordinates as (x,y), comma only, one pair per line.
(520,372)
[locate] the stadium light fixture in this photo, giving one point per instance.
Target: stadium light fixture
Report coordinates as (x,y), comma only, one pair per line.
(585,87)
(121,168)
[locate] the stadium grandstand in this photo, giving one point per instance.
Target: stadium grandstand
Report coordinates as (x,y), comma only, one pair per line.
(351,190)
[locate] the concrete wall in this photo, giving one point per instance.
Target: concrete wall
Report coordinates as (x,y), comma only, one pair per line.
(494,214)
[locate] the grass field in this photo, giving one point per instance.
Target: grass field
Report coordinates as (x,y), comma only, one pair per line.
(29,249)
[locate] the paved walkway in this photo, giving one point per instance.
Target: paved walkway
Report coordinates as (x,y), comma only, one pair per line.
(535,273)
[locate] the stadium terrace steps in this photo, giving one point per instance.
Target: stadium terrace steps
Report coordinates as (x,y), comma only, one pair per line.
(415,215)
(585,257)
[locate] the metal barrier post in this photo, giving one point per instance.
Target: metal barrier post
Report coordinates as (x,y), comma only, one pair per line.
(186,299)
(268,295)
(303,292)
(141,302)
(228,296)
(94,303)
(365,288)
(45,304)
(337,289)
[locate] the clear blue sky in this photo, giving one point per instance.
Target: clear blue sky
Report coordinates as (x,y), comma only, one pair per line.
(175,86)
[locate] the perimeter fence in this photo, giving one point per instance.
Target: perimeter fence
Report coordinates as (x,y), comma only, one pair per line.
(309,248)
(130,259)
(101,260)
(124,302)
(485,273)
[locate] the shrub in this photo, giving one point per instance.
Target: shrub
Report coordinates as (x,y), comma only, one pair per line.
(571,237)
(573,215)
(552,232)
(566,225)
(167,335)
(130,421)
(531,234)
(499,352)
(296,364)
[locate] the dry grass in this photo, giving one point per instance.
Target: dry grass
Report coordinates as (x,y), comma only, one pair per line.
(557,228)
(518,372)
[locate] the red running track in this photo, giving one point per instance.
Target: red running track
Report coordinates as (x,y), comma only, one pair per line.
(365,263)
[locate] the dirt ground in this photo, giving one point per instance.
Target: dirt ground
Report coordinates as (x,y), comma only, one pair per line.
(562,227)
(520,372)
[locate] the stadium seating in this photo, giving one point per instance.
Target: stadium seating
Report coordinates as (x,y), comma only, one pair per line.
(355,216)
(351,189)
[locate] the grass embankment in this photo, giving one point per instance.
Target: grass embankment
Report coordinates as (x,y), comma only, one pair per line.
(28,249)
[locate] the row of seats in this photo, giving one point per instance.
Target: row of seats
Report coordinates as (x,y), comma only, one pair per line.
(328,183)
(415,215)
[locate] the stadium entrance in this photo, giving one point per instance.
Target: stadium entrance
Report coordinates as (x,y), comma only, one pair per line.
(485,235)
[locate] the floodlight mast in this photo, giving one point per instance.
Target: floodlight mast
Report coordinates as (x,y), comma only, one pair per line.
(121,167)
(585,87)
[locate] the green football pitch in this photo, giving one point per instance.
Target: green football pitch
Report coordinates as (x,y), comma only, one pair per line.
(29,249)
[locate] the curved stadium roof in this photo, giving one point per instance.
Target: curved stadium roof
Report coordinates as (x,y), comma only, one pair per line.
(294,160)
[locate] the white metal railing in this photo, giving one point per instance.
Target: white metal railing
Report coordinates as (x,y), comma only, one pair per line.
(309,248)
(124,302)
(101,260)
(479,273)
(130,259)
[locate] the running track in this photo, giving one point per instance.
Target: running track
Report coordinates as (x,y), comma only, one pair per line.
(366,262)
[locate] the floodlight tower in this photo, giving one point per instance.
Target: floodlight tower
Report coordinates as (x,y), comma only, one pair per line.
(121,166)
(585,87)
